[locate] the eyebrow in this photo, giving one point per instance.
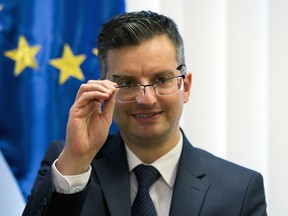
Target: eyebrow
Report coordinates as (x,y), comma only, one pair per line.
(115,76)
(164,72)
(122,76)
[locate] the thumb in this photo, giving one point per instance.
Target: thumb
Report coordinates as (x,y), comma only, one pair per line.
(108,108)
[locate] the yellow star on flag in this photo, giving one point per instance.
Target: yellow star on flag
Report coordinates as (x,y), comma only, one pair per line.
(95,51)
(24,55)
(69,65)
(1,7)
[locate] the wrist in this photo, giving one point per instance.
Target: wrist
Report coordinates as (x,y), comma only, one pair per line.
(69,165)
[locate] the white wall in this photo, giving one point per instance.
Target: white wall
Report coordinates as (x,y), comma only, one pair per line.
(278,107)
(12,202)
(237,51)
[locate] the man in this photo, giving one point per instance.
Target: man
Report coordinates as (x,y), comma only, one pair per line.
(144,86)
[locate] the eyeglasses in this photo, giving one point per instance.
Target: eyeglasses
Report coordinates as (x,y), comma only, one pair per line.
(128,91)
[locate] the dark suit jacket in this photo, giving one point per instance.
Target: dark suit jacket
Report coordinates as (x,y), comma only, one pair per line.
(205,185)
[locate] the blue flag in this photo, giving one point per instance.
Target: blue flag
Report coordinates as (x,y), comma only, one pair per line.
(47,50)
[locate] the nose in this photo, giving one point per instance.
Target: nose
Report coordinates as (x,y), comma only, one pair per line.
(149,95)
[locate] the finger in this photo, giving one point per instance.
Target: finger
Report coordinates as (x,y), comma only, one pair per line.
(106,83)
(108,108)
(91,96)
(101,86)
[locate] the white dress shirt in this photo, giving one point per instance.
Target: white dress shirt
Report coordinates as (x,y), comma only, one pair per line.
(160,192)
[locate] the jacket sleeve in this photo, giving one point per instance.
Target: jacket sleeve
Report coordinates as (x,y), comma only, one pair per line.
(254,202)
(44,200)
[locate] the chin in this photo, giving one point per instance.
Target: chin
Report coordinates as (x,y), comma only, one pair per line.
(149,132)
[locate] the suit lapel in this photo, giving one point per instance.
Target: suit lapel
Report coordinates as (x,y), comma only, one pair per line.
(111,168)
(189,189)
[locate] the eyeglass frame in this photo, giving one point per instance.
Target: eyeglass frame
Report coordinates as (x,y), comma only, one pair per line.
(181,68)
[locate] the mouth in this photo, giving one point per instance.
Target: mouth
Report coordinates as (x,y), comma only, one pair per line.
(146,115)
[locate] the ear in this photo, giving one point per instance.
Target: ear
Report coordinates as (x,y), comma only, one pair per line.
(187,86)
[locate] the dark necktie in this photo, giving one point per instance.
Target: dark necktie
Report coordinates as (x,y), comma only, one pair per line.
(146,175)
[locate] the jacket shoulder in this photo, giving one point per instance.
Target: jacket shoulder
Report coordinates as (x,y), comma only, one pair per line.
(216,164)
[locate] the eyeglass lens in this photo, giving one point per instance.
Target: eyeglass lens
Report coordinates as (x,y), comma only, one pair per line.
(136,92)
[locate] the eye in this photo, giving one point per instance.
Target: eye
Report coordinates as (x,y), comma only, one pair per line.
(162,80)
(126,83)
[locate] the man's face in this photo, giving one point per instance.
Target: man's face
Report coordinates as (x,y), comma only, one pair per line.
(153,116)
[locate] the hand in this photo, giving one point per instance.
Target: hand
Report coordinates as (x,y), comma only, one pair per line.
(88,125)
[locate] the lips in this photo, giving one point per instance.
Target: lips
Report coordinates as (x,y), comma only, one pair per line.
(145,115)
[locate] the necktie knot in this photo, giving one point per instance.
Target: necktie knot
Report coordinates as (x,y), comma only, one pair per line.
(146,175)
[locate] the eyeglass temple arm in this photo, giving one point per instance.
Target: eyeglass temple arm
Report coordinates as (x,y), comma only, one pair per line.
(182,69)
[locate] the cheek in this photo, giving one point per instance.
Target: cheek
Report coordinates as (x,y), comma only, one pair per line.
(119,114)
(179,105)
(175,105)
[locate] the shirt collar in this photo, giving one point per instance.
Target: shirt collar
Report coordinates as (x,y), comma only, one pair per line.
(167,165)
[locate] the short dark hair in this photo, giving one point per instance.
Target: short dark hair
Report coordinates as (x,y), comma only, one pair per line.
(133,28)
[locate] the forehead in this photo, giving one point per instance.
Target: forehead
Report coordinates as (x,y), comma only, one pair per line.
(156,54)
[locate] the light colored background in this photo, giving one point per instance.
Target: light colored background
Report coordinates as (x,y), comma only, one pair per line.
(237,51)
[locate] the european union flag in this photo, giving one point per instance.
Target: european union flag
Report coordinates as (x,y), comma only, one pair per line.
(47,50)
